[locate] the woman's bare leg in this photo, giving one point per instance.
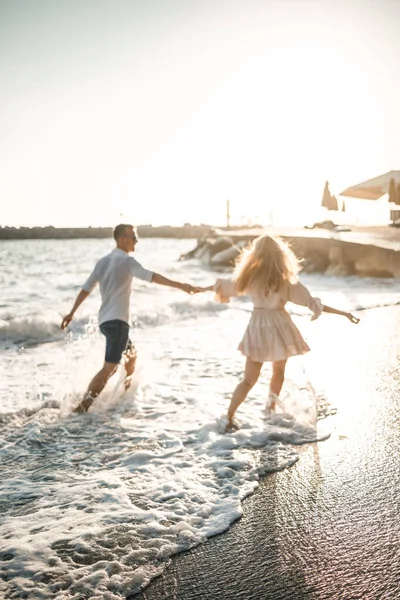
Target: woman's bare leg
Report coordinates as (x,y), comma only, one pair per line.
(277,379)
(251,373)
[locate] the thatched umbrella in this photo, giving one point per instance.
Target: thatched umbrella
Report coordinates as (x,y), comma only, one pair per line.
(334,203)
(393,192)
(328,201)
(373,189)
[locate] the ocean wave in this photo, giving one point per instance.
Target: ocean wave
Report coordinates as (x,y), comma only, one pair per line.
(373,304)
(36,329)
(176,311)
(32,330)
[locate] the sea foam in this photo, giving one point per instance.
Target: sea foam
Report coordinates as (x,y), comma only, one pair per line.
(95,505)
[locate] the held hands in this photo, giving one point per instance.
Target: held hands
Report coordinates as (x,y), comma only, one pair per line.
(195,289)
(215,287)
(200,288)
(188,288)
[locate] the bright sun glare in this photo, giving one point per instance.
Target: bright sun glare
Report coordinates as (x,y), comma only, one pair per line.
(162,115)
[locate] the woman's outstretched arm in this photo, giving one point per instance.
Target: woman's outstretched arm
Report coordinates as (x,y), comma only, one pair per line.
(299,294)
(335,311)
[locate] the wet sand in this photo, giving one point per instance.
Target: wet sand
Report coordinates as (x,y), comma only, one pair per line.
(328,527)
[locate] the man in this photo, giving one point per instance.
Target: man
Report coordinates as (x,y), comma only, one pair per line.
(114,273)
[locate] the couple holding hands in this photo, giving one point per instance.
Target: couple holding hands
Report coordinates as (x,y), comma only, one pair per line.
(267,272)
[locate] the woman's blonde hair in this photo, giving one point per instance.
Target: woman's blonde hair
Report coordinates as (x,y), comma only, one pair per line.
(266,266)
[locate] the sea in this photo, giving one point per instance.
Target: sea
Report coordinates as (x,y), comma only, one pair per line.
(94,506)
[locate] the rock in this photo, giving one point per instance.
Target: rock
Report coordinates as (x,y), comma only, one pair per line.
(315,263)
(194,253)
(340,270)
(340,264)
(220,244)
(208,247)
(373,261)
(336,255)
(319,255)
(204,254)
(226,257)
(366,268)
(321,224)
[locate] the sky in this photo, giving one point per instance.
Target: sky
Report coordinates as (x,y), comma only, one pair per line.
(158,111)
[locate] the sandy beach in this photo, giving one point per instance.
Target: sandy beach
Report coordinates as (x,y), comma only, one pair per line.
(328,527)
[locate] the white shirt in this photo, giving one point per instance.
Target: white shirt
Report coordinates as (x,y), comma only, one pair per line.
(114,272)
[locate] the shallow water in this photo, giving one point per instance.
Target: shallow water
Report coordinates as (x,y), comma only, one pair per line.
(94,505)
(328,528)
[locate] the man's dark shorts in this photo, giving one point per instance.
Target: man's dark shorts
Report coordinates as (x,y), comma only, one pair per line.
(117,340)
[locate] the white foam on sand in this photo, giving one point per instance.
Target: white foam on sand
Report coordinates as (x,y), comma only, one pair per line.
(94,505)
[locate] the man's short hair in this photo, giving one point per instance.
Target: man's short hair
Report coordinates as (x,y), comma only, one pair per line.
(119,230)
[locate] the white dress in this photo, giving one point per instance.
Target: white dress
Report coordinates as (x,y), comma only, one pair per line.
(271,334)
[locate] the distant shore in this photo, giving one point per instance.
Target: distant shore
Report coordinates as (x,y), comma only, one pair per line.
(378,235)
(65,233)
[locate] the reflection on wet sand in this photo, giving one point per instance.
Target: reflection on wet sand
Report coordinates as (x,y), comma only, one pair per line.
(328,527)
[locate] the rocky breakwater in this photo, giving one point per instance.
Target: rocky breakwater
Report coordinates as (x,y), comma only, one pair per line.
(217,251)
(328,255)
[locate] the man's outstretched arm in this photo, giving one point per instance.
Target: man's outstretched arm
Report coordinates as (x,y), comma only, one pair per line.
(79,299)
(161,280)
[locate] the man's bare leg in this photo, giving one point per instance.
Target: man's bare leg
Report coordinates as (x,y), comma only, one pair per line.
(129,364)
(96,386)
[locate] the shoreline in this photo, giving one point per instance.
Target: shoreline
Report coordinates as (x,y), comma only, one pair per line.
(314,531)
